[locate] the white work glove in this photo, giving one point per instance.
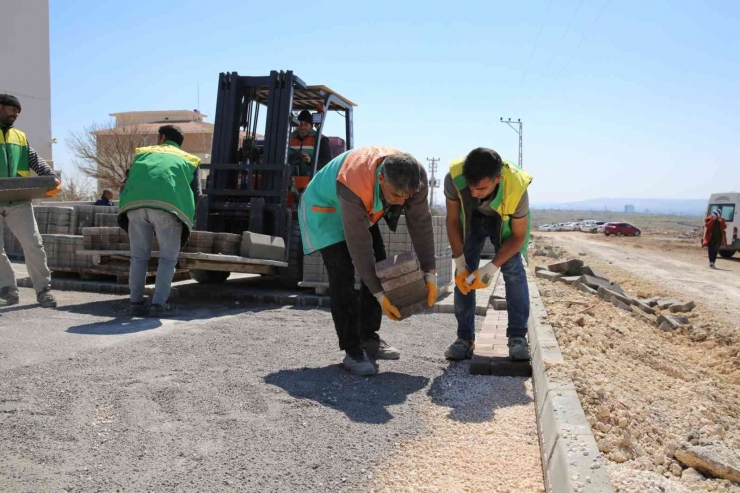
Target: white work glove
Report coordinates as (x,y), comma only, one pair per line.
(388,308)
(461,273)
(482,277)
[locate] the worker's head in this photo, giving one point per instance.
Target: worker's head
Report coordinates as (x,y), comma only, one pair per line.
(172,133)
(305,123)
(10,108)
(400,177)
(108,194)
(482,171)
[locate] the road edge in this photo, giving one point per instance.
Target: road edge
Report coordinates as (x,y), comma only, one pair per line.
(571,461)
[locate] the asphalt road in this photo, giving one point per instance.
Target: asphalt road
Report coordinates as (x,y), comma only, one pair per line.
(237,398)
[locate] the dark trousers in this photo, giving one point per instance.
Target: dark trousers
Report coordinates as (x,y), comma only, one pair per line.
(713,251)
(356,319)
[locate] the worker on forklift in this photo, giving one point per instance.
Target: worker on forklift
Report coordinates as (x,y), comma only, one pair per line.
(339,215)
(159,196)
(487,198)
(302,145)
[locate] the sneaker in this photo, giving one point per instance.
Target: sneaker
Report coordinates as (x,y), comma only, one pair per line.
(46,299)
(518,348)
(8,297)
(711,265)
(379,349)
(138,309)
(460,349)
(359,365)
(163,311)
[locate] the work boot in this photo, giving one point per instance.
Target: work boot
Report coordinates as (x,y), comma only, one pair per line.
(46,299)
(518,348)
(711,265)
(359,364)
(460,349)
(163,311)
(8,297)
(138,309)
(379,349)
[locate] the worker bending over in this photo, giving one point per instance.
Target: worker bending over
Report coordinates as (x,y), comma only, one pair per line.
(487,199)
(339,215)
(159,196)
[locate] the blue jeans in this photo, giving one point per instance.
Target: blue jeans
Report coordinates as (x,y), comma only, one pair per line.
(142,223)
(517,293)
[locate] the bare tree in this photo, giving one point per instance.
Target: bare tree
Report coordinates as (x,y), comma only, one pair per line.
(104,151)
(76,187)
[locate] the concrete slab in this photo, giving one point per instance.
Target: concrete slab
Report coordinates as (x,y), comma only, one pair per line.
(682,307)
(569,268)
(262,246)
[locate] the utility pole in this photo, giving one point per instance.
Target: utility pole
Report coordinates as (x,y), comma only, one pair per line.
(432,181)
(520,132)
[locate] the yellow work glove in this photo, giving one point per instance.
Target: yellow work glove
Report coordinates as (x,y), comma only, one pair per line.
(461,273)
(482,277)
(431,280)
(388,308)
(54,191)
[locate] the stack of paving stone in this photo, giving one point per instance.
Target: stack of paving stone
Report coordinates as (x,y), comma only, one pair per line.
(592,281)
(85,215)
(55,220)
(199,242)
(403,283)
(106,238)
(61,252)
(106,220)
(395,243)
(227,243)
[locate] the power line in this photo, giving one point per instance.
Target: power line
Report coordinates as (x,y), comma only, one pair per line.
(562,38)
(588,34)
(534,47)
(432,180)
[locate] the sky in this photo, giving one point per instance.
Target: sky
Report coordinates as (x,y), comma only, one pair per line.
(618,98)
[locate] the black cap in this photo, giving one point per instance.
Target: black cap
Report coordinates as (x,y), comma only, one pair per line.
(305,116)
(10,100)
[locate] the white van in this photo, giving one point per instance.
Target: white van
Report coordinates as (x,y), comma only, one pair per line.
(728,203)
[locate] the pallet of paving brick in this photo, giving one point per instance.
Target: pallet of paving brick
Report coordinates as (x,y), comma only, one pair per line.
(227,243)
(200,242)
(403,283)
(26,188)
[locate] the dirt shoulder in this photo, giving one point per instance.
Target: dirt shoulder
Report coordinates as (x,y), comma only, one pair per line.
(647,392)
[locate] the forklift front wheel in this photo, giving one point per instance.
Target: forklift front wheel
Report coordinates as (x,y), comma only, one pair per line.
(209,276)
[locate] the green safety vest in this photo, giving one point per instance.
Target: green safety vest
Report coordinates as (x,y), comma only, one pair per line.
(160,178)
(514,182)
(14,161)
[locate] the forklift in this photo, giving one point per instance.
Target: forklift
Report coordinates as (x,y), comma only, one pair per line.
(252,183)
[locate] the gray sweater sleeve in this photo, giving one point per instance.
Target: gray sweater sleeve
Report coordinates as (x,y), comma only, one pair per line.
(419,222)
(195,185)
(357,235)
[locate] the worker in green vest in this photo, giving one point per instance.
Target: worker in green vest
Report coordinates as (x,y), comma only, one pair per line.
(302,147)
(18,159)
(487,200)
(159,196)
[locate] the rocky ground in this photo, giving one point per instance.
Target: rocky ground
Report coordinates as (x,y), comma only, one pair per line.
(648,393)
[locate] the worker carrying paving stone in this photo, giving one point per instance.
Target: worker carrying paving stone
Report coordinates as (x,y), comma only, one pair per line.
(18,159)
(159,196)
(487,199)
(339,215)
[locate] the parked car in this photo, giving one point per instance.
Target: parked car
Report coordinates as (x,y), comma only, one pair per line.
(546,227)
(591,226)
(600,228)
(621,229)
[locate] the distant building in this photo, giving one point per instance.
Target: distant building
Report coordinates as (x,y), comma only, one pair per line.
(629,208)
(26,74)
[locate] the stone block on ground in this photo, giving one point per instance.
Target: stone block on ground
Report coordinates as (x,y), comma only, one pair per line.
(645,316)
(585,289)
(595,282)
(262,247)
(618,289)
(571,280)
(590,271)
(621,305)
(672,322)
(550,276)
(609,295)
(569,268)
(644,307)
(666,303)
(717,461)
(397,265)
(682,307)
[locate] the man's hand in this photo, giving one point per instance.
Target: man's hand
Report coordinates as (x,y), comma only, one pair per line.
(54,191)
(461,273)
(431,279)
(388,308)
(482,277)
(306,158)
